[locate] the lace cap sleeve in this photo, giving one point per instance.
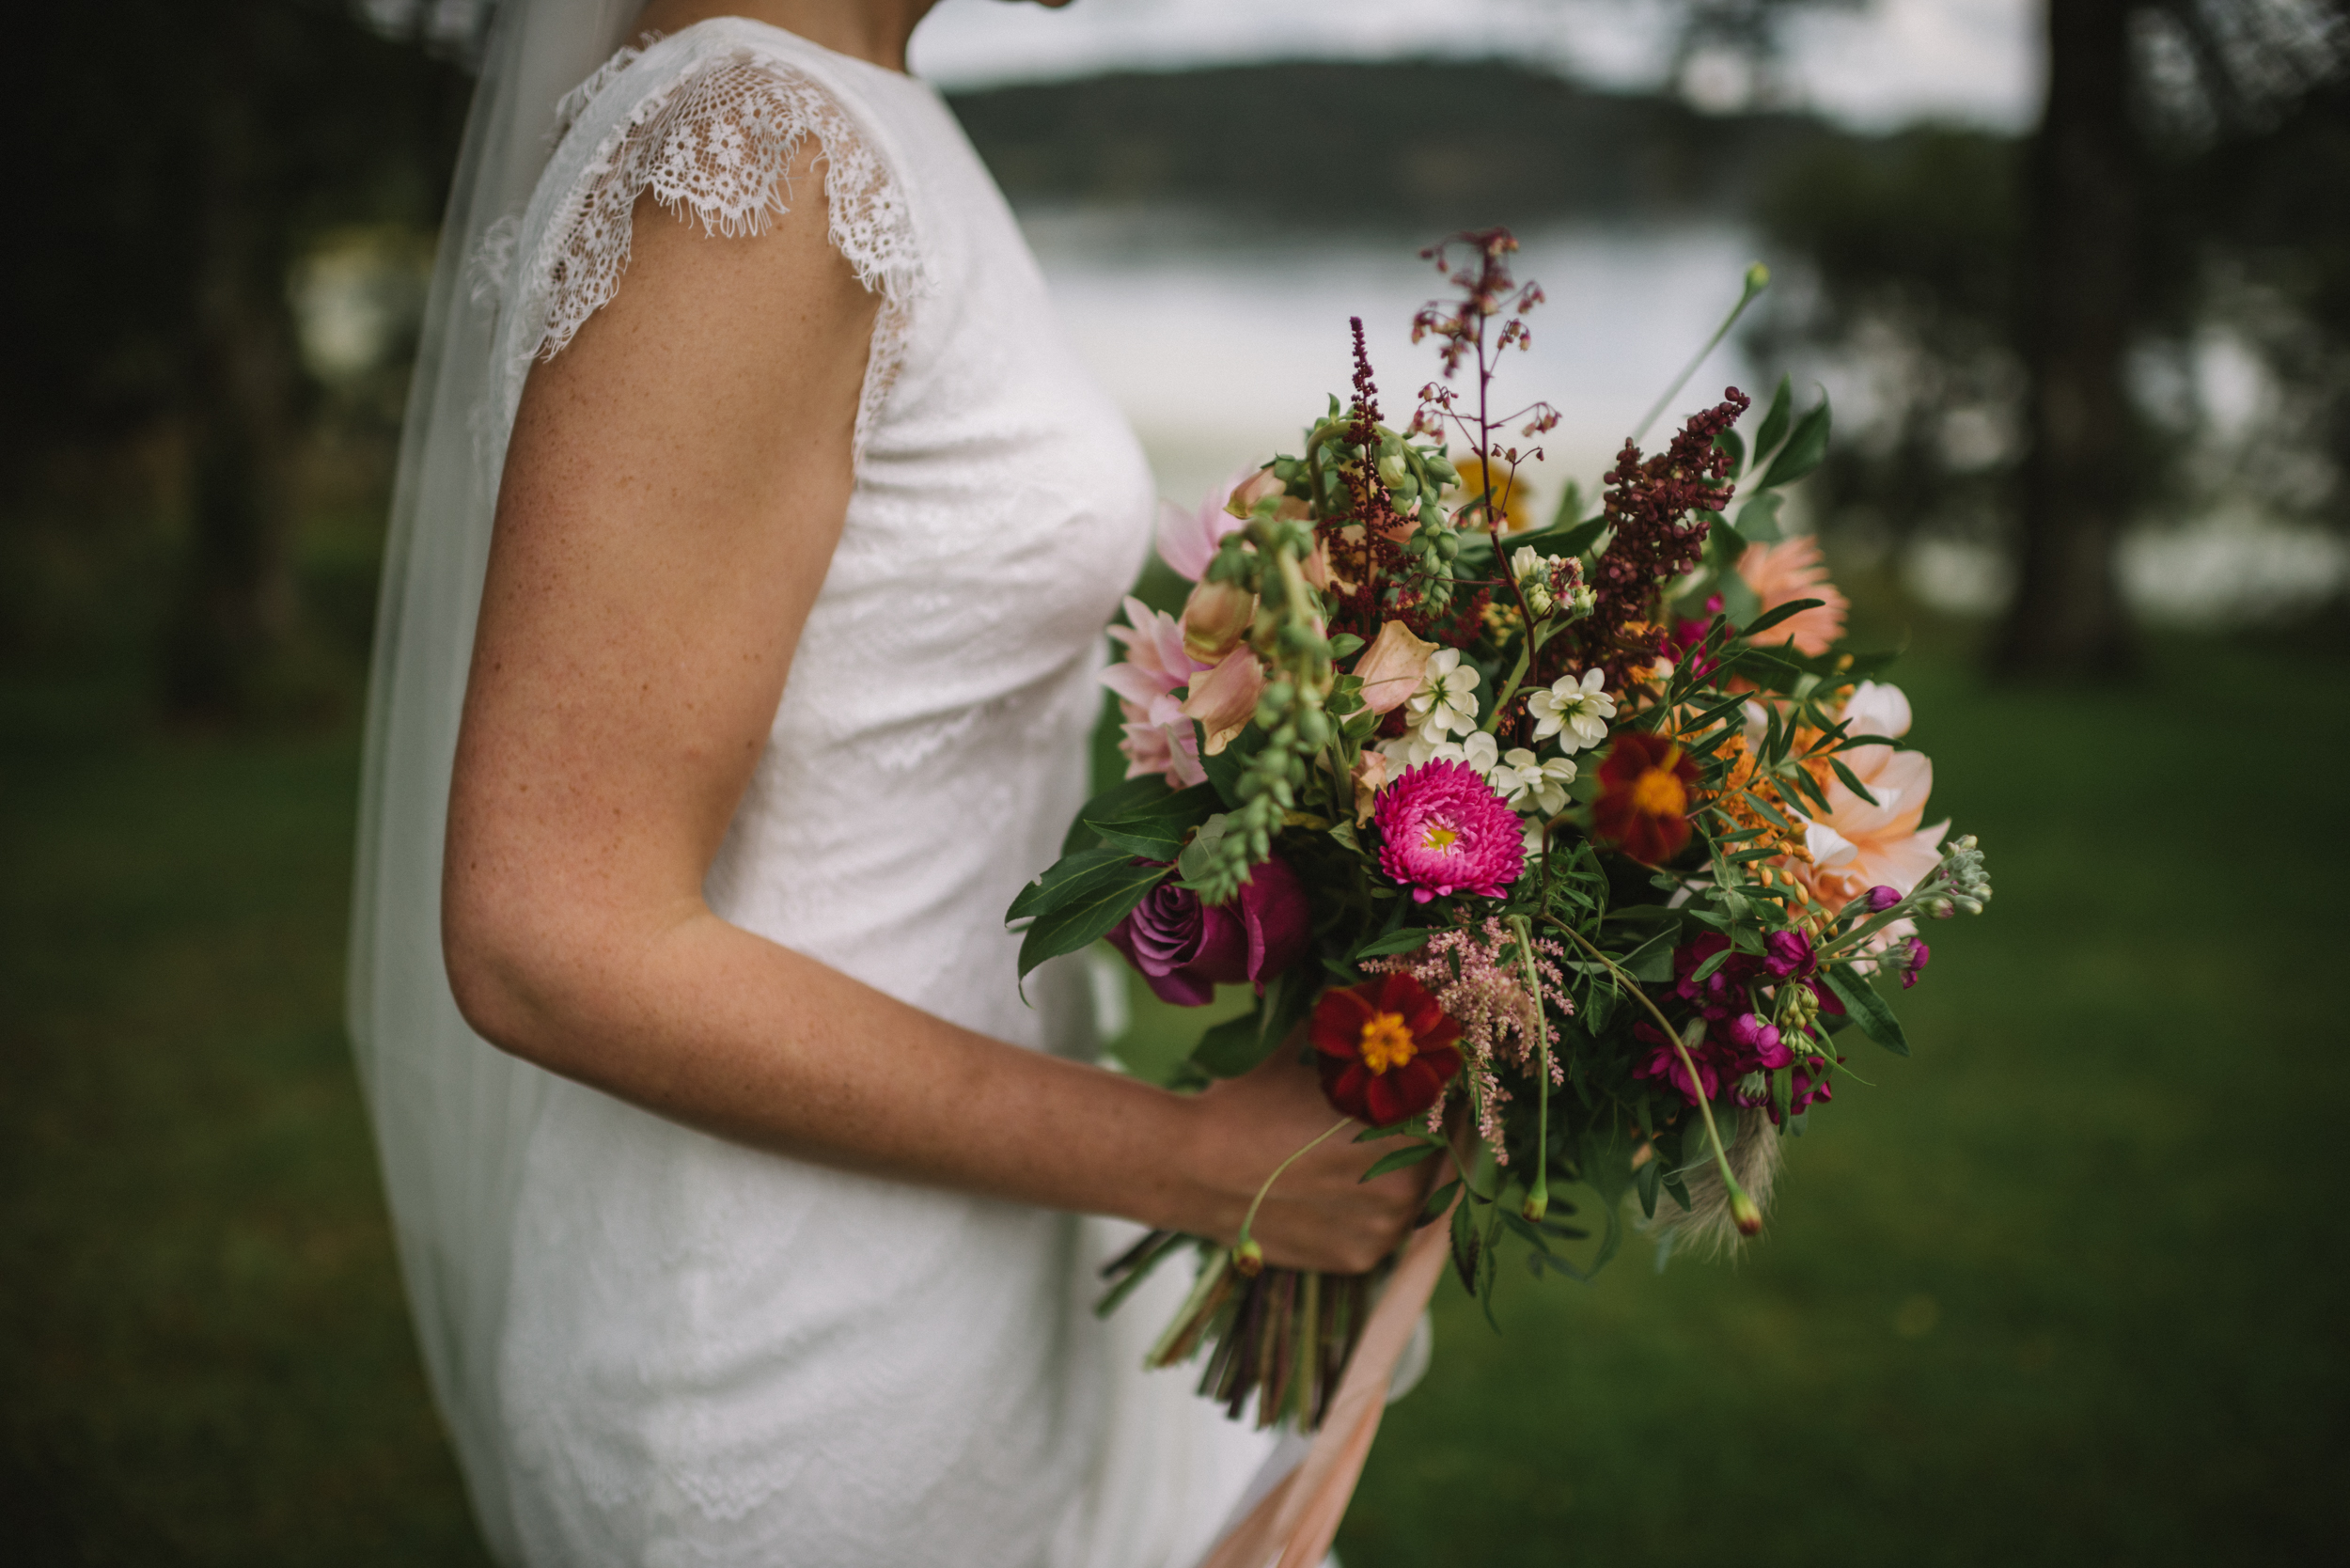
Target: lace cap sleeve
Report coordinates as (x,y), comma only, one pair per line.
(715,141)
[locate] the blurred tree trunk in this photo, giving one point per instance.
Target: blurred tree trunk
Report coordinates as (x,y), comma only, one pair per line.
(235,597)
(2081,295)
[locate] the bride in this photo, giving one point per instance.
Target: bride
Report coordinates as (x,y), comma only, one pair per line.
(754,534)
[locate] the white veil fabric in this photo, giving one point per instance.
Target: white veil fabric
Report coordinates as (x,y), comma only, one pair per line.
(451,1112)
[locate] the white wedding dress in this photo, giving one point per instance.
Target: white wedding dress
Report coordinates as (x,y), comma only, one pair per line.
(673,1350)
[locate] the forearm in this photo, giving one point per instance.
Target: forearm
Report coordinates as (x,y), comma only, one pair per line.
(711,1026)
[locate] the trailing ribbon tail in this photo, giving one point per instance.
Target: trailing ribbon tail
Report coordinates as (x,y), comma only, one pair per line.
(1293,1523)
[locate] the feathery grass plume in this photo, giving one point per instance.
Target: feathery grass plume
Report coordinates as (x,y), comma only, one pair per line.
(1706,1228)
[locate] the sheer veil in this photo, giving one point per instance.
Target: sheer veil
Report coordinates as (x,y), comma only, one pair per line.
(449,1110)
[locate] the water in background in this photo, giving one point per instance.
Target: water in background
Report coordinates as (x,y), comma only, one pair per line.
(1221,341)
(1221,338)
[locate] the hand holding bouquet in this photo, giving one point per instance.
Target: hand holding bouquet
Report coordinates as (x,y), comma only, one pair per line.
(1571,855)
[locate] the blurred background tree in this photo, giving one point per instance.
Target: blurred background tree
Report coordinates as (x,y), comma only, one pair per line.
(158,409)
(2033,313)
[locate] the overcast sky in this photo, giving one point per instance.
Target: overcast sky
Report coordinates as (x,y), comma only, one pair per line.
(1890,62)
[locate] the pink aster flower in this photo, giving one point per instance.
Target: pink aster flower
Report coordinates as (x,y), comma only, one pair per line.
(1158,737)
(1442,829)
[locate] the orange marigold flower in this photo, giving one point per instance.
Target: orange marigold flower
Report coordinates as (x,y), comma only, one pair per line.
(1386,1049)
(1647,786)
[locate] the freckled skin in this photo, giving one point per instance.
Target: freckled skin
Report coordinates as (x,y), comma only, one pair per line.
(657,548)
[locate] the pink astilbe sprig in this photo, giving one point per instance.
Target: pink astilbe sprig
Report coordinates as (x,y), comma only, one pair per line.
(1474,972)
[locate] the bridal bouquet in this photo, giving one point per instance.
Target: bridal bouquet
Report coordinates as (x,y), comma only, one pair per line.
(1573,855)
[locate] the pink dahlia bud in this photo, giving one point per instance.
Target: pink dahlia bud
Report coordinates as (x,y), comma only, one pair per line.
(1392,668)
(1250,491)
(1370,775)
(1215,617)
(1442,830)
(1224,699)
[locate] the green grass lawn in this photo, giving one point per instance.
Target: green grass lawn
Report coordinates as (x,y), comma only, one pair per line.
(2058,1288)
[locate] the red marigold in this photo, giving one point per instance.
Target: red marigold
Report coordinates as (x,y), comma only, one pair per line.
(1386,1049)
(1643,805)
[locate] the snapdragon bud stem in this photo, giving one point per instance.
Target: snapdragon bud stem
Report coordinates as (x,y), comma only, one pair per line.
(1538,1196)
(1247,1256)
(1758,278)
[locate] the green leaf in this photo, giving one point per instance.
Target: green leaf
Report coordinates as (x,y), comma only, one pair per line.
(1607,1245)
(1119,800)
(1525,1229)
(1229,1049)
(1735,444)
(1562,538)
(1758,520)
(1416,1130)
(1868,1010)
(1769,619)
(1432,1209)
(1706,970)
(1344,645)
(1653,959)
(1774,428)
(1852,780)
(1063,881)
(1157,831)
(1398,1159)
(1464,1249)
(1408,940)
(1095,902)
(1803,452)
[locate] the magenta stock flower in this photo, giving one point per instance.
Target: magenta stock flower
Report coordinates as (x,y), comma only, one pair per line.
(1185,948)
(1442,829)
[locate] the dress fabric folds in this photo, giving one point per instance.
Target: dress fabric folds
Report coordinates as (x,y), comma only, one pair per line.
(684,1352)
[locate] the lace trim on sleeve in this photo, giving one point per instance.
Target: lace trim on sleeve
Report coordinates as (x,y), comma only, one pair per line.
(719,142)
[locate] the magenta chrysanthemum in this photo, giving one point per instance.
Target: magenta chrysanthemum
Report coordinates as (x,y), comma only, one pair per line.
(1442,829)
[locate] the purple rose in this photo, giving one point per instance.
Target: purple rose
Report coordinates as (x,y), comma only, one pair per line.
(1185,948)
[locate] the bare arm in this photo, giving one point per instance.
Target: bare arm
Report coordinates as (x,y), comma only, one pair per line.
(674,490)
